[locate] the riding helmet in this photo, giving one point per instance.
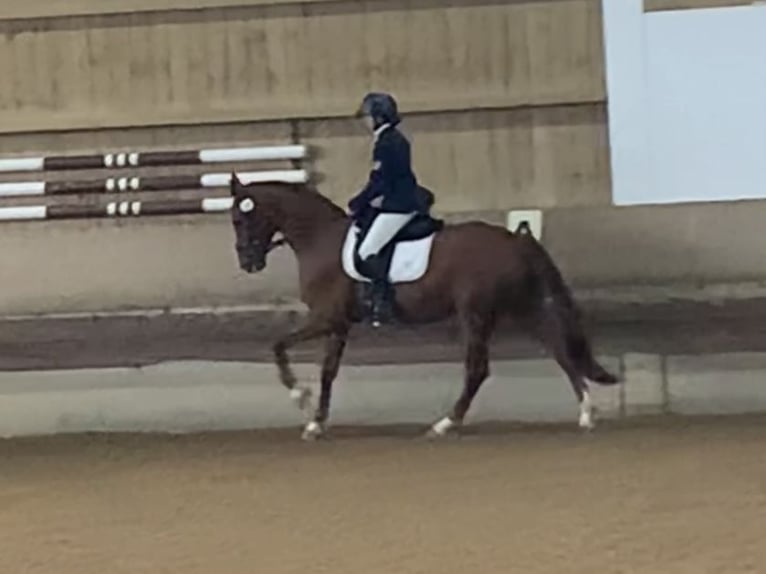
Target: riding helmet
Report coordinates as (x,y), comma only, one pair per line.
(381,107)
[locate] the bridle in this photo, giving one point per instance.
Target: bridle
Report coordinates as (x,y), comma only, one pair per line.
(274,244)
(255,243)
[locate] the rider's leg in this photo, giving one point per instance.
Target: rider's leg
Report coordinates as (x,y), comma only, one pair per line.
(382,231)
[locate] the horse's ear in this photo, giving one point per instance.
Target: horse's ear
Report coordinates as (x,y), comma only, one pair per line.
(234,183)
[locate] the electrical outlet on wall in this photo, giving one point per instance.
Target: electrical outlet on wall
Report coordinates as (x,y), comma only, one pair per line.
(533,217)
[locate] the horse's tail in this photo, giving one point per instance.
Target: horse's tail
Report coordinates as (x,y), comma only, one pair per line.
(557,299)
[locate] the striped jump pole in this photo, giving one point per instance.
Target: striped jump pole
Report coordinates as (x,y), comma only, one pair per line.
(155,158)
(155,183)
(117,209)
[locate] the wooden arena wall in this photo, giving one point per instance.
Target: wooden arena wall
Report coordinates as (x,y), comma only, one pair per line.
(505,101)
(504,98)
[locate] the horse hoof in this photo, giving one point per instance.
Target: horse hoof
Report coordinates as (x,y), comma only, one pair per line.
(586,425)
(312,432)
(441,429)
(431,434)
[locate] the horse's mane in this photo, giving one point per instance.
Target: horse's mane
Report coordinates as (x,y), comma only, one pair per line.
(310,190)
(303,192)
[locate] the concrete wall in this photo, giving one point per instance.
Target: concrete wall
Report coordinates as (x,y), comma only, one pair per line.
(84,265)
(76,266)
(695,244)
(204,396)
(262,60)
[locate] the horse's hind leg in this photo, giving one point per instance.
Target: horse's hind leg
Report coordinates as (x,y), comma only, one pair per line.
(554,335)
(477,329)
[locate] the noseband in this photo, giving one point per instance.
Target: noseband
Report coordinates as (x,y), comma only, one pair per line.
(269,248)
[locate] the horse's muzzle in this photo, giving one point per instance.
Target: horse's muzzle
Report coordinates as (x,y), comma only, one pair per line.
(251,266)
(251,259)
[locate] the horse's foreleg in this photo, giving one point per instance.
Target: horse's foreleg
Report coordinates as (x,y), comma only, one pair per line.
(477,330)
(336,343)
(301,395)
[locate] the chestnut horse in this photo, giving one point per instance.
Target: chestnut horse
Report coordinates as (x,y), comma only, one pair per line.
(474,270)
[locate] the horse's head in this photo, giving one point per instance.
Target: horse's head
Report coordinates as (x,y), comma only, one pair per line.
(254,226)
(259,211)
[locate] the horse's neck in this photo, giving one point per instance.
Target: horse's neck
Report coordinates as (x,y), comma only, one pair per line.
(305,218)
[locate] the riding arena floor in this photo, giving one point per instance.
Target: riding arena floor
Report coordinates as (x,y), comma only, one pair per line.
(657,495)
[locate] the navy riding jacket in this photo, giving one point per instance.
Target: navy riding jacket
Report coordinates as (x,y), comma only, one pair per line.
(391,177)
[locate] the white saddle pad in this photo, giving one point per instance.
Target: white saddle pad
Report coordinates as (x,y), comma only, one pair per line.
(409,263)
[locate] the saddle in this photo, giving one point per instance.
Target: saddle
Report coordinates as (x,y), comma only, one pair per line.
(420,227)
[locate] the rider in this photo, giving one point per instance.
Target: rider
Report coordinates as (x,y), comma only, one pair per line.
(392,193)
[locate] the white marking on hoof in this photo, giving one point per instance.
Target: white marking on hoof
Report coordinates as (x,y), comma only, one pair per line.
(441,428)
(301,396)
(312,431)
(586,413)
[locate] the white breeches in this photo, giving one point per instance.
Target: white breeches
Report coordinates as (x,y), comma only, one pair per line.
(383,229)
